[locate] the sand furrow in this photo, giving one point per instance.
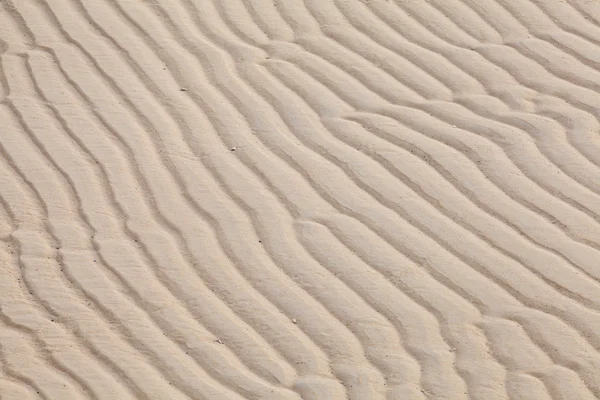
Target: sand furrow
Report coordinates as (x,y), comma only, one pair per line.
(239,294)
(75,257)
(24,212)
(339,199)
(509,31)
(463,102)
(21,311)
(14,390)
(410,147)
(21,360)
(187,336)
(360,143)
(68,237)
(363,96)
(191,339)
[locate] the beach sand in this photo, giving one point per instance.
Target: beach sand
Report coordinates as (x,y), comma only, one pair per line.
(299,199)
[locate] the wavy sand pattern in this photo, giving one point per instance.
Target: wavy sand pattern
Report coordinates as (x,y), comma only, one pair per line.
(299,199)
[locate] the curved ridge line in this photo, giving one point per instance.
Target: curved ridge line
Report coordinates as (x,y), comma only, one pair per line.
(595,217)
(248,5)
(369,41)
(555,358)
(548,69)
(566,27)
(183,186)
(550,314)
(480,268)
(69,376)
(13,224)
(585,210)
(541,151)
(111,366)
(503,251)
(27,382)
(534,121)
(445,175)
(563,78)
(421,299)
(411,349)
(575,204)
(584,13)
(551,38)
(79,91)
(541,377)
(76,287)
(550,281)
(422,63)
(419,109)
(551,112)
(123,281)
(79,287)
(502,69)
(21,390)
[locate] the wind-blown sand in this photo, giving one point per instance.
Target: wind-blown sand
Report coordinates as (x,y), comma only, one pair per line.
(287,199)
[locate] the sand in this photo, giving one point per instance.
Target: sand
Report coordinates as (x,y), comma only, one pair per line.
(299,199)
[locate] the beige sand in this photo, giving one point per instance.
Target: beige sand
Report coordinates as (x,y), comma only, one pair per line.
(287,199)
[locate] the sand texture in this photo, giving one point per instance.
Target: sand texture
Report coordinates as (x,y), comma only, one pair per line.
(299,199)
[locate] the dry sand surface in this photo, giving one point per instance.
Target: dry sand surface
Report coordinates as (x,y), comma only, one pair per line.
(299,199)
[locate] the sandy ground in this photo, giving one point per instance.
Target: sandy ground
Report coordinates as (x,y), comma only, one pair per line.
(299,199)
